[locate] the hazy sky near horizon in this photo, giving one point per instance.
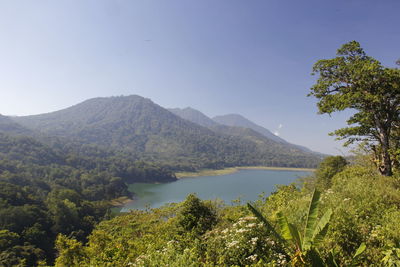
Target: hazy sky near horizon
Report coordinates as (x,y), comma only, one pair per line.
(227,56)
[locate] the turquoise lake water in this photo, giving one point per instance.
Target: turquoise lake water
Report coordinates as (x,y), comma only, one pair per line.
(244,184)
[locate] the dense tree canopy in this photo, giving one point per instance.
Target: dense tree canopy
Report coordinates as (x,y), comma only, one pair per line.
(353,80)
(46,190)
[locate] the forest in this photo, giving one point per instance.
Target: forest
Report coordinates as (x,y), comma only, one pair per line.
(45,192)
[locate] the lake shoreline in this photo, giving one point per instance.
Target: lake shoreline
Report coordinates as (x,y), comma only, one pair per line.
(121,201)
(245,184)
(210,172)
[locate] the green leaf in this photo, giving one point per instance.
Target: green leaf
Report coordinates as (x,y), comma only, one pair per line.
(269,227)
(311,220)
(296,236)
(284,227)
(360,250)
(321,228)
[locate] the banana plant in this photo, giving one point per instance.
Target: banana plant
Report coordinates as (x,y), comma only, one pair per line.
(332,262)
(304,245)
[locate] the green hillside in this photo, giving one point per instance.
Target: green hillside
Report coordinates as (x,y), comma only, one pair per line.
(137,125)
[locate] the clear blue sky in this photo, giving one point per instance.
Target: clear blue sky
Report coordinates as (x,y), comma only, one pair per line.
(227,56)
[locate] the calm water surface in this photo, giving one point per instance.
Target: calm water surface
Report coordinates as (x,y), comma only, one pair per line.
(244,184)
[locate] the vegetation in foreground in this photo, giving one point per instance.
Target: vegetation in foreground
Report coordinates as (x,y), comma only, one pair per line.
(353,221)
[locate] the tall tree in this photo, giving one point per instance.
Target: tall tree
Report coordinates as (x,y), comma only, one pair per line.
(353,80)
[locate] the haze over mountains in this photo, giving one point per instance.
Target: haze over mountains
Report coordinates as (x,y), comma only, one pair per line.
(240,121)
(185,139)
(232,120)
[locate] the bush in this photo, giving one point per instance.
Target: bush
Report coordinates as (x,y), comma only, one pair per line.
(196,216)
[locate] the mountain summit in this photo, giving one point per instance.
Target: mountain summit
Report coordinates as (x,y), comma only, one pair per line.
(194,116)
(240,121)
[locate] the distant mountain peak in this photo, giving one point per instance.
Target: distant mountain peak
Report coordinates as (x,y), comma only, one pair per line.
(194,116)
(240,121)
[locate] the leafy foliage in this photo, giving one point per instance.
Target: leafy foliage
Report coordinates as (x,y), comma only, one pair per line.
(327,169)
(46,190)
(361,208)
(196,216)
(314,232)
(359,82)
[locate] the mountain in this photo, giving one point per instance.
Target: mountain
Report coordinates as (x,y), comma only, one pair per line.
(234,124)
(194,116)
(249,133)
(240,121)
(136,124)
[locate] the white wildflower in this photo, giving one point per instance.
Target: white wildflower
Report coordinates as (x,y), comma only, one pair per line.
(254,240)
(252,257)
(232,244)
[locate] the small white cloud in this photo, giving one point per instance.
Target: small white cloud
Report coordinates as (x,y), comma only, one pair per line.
(277,131)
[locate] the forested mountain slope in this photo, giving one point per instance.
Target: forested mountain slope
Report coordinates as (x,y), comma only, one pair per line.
(237,120)
(237,125)
(138,125)
(8,126)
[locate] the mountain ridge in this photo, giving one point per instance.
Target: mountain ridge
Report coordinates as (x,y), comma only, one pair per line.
(239,120)
(138,125)
(231,121)
(194,116)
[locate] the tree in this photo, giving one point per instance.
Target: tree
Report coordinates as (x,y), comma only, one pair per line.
(70,252)
(353,80)
(196,216)
(328,168)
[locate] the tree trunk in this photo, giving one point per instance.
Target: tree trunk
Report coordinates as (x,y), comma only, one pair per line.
(386,166)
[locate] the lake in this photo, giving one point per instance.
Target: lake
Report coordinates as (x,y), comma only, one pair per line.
(244,184)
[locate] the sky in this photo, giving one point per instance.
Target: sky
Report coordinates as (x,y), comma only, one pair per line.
(251,57)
